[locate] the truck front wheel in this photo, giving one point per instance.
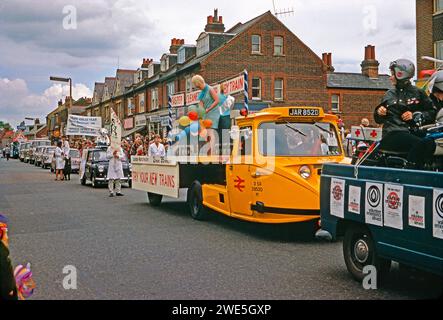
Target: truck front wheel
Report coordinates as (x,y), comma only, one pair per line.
(195,201)
(155,199)
(359,252)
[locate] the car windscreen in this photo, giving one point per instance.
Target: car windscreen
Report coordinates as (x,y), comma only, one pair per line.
(292,139)
(100,156)
(74,153)
(49,149)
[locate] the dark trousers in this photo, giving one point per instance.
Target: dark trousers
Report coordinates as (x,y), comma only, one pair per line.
(419,150)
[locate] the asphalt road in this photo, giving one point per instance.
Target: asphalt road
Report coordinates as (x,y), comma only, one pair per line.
(124,249)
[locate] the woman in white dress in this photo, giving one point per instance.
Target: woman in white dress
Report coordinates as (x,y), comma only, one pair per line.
(59,161)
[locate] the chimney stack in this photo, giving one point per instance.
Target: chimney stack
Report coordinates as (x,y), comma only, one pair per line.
(146,63)
(215,23)
(369,66)
(327,60)
(175,44)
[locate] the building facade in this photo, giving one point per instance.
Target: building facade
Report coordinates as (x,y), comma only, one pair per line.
(354,96)
(429,15)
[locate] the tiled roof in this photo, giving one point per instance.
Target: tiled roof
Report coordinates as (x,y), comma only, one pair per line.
(358,81)
(110,83)
(98,90)
(240,27)
(125,77)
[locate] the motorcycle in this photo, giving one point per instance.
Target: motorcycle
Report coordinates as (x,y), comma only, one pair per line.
(373,155)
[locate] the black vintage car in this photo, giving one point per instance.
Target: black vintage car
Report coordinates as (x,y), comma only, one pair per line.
(96,168)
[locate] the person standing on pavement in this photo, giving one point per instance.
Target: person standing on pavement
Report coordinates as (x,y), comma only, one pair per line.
(115,171)
(59,161)
(157,149)
(8,152)
(8,288)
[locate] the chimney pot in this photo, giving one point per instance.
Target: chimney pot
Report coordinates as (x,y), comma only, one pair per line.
(211,20)
(220,19)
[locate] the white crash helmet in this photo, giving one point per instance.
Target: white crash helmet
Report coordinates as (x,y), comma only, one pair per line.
(436,83)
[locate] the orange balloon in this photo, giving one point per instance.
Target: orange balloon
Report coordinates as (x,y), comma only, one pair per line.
(207,123)
(193,115)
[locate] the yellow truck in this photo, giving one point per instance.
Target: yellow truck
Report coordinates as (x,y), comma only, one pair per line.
(271,173)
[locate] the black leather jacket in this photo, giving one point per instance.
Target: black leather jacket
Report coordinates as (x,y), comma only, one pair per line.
(400,100)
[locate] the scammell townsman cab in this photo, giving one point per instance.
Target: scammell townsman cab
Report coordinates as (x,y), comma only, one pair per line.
(271,173)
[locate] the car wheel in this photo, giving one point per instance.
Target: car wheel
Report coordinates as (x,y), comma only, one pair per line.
(195,202)
(154,199)
(359,252)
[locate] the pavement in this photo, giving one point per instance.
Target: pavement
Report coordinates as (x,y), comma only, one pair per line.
(122,248)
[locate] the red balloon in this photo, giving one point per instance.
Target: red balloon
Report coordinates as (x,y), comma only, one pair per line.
(193,115)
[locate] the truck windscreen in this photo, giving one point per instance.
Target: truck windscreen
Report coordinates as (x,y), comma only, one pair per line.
(293,139)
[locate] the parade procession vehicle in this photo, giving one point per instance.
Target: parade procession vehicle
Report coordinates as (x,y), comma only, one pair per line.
(270,172)
(384,215)
(96,168)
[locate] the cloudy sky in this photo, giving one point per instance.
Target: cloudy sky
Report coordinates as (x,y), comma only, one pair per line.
(39,38)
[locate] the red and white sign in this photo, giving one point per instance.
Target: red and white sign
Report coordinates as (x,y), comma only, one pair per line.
(156,175)
(235,85)
(337,198)
(178,100)
(366,134)
(129,123)
(393,206)
(192,97)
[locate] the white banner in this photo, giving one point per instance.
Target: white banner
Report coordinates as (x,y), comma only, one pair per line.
(83,126)
(115,131)
(155,175)
(374,204)
(338,198)
(393,202)
(192,97)
(178,100)
(437,221)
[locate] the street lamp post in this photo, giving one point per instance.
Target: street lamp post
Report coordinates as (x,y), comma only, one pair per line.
(61,79)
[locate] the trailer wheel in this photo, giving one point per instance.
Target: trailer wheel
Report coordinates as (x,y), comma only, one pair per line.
(155,199)
(359,251)
(195,202)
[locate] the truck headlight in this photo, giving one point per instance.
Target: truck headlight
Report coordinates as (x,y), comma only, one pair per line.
(305,172)
(101,169)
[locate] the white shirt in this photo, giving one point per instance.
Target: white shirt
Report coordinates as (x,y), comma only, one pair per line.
(155,151)
(66,148)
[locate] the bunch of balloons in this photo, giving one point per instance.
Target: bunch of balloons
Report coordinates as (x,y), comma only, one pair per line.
(193,124)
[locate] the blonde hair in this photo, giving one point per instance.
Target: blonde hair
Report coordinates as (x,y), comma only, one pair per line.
(198,79)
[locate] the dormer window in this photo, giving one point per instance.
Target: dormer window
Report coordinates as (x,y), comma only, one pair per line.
(202,45)
(181,55)
(151,70)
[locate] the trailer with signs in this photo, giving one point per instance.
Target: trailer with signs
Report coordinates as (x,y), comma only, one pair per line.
(384,215)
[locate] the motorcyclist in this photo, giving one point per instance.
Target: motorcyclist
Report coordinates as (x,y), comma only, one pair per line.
(437,90)
(395,113)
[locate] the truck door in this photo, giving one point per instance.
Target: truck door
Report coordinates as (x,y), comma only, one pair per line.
(239,174)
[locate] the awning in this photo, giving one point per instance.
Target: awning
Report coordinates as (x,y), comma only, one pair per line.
(127,133)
